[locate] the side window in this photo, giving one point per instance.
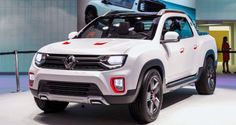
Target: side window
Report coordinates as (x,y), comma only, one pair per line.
(123,3)
(186,31)
(171,24)
(179,25)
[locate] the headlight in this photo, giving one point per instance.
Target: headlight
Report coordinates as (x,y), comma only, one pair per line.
(114,61)
(40,59)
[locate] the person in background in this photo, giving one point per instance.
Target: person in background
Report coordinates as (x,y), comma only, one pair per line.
(226,56)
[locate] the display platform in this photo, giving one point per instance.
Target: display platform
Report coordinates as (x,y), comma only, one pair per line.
(181,107)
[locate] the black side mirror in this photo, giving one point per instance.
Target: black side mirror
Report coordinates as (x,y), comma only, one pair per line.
(150,6)
(105,1)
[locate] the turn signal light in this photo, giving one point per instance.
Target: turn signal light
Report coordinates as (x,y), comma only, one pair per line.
(31,79)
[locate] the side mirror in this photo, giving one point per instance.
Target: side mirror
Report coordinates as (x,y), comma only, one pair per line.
(150,6)
(171,37)
(105,1)
(72,35)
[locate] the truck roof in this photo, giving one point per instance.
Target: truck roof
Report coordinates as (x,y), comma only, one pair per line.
(134,13)
(129,13)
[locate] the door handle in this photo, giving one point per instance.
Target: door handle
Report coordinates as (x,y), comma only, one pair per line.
(181,50)
(195,46)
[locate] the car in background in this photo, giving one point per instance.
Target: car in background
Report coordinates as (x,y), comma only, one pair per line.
(97,8)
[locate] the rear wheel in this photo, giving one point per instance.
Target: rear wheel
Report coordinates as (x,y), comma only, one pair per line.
(207,82)
(147,106)
(50,106)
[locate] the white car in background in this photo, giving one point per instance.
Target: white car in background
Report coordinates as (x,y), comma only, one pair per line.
(97,8)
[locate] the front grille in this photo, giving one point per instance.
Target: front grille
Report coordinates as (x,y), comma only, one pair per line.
(84,62)
(69,88)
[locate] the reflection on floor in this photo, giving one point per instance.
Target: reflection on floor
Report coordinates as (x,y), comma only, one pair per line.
(181,107)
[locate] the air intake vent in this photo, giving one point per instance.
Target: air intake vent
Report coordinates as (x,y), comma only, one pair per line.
(69,88)
(83,62)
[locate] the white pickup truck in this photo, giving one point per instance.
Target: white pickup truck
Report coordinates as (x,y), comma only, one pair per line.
(125,58)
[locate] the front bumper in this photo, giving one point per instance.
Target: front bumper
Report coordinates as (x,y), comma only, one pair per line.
(64,98)
(105,100)
(99,78)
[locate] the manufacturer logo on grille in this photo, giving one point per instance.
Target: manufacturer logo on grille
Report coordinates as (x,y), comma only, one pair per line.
(70,62)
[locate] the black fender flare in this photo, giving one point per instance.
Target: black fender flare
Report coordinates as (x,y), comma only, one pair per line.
(154,63)
(211,53)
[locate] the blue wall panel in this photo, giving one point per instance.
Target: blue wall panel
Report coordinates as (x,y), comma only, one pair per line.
(190,11)
(216,9)
(31,24)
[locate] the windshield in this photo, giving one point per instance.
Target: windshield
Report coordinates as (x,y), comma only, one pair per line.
(122,27)
(123,3)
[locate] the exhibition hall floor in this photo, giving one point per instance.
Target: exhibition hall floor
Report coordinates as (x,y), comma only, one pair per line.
(181,107)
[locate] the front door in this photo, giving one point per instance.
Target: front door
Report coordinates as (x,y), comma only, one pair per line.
(180,54)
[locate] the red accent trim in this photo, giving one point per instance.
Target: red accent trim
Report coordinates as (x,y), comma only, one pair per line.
(100,43)
(66,43)
(113,86)
(31,82)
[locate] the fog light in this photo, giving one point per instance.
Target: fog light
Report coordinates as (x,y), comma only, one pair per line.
(31,79)
(118,84)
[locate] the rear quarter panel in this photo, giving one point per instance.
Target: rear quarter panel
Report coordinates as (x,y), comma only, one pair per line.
(205,43)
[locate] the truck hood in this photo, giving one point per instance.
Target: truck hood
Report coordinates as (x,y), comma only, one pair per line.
(92,46)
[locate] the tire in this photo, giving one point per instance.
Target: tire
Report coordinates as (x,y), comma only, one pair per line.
(50,106)
(90,15)
(141,109)
(207,82)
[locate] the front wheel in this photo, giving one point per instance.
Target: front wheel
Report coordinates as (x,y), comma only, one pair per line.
(207,82)
(146,107)
(50,106)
